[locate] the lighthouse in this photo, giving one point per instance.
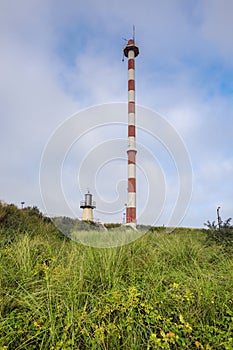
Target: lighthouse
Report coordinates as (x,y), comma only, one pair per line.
(87,205)
(131,51)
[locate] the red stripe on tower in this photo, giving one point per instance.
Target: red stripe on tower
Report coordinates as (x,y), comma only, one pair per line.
(131,157)
(131,51)
(132,184)
(131,107)
(131,130)
(131,85)
(131,63)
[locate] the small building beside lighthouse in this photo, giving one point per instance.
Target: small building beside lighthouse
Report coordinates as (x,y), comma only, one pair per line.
(87,205)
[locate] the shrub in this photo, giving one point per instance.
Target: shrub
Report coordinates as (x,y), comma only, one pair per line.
(221,234)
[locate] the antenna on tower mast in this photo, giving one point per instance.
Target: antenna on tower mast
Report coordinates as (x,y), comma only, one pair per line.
(134,32)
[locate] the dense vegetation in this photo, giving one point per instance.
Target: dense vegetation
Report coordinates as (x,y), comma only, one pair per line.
(221,233)
(163,291)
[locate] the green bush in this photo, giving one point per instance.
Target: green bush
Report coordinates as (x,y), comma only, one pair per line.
(221,234)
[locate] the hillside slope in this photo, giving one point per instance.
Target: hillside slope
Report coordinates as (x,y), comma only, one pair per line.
(163,291)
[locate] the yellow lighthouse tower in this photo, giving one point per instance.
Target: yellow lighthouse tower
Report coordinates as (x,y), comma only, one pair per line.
(87,205)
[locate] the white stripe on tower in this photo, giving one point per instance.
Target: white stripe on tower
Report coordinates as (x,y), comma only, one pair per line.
(131,51)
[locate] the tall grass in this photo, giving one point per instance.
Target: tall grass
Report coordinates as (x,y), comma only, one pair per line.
(163,291)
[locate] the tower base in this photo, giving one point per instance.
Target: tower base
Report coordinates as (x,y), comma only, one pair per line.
(132,225)
(87,214)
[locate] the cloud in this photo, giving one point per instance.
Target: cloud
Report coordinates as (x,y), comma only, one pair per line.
(58,58)
(32,102)
(217,28)
(96,78)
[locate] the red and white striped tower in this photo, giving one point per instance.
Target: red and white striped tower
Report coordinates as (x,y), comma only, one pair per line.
(131,51)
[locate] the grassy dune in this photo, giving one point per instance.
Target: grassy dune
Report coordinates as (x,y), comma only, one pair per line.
(163,291)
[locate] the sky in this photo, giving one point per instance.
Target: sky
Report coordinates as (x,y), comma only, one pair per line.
(63,95)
